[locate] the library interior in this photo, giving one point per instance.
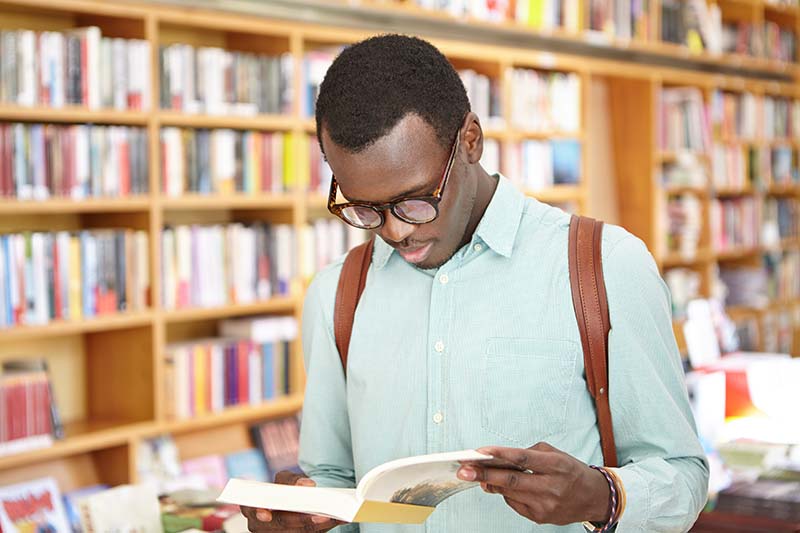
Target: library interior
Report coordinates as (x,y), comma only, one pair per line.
(165,205)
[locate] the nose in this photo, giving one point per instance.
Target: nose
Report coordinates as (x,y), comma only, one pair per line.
(394,229)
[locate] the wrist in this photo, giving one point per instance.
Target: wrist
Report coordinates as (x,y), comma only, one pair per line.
(599,508)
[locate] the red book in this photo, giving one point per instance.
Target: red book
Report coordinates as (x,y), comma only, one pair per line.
(243,365)
(124,168)
(266,162)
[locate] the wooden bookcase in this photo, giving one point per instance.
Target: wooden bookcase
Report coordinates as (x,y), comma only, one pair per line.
(108,372)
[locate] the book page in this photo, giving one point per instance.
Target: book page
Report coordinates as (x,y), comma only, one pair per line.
(421,480)
(336,503)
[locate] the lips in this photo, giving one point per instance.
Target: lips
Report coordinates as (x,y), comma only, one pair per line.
(415,254)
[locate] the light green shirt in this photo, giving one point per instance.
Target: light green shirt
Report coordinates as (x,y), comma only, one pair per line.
(486,351)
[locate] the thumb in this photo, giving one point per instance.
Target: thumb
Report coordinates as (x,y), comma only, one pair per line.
(306,482)
(286,477)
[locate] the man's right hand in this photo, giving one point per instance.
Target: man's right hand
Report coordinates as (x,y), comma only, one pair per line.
(259,520)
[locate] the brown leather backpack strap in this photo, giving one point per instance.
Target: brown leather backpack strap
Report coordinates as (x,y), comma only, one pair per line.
(352,280)
(590,301)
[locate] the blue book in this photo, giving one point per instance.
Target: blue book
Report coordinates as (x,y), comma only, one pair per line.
(71,500)
(247,464)
(269,370)
(8,264)
(566,161)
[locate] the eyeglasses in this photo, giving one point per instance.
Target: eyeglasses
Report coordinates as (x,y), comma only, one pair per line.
(413,210)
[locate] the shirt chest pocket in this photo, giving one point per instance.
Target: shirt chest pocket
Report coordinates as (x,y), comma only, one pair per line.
(527,385)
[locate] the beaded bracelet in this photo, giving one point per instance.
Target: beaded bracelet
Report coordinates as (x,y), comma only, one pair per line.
(614,504)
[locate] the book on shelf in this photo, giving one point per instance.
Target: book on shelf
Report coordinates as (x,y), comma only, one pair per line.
(180,514)
(686,171)
(122,508)
(745,285)
(623,19)
(772,498)
(278,441)
(219,82)
(736,116)
(730,167)
(537,165)
(34,505)
(544,101)
(207,266)
(324,240)
(315,65)
(780,221)
(684,120)
(784,170)
(783,275)
(223,161)
(693,24)
(247,464)
(74,67)
(40,161)
(72,508)
(780,114)
(735,224)
(26,410)
(684,286)
(320,173)
(485,98)
(404,491)
(39,368)
(684,215)
(69,276)
(211,468)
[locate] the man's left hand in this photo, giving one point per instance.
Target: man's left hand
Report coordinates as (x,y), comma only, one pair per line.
(549,487)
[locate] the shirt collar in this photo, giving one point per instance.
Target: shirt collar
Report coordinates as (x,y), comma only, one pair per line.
(497,228)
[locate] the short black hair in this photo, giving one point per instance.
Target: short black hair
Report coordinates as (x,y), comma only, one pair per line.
(375,83)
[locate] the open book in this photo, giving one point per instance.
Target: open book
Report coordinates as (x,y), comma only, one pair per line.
(405,491)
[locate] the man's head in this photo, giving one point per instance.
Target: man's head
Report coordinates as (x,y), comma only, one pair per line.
(388,114)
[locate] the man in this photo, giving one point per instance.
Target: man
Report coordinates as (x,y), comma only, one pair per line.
(465,336)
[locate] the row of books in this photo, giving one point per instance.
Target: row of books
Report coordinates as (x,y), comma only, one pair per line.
(320,174)
(781,117)
(783,271)
(74,67)
(683,120)
(324,241)
(780,220)
(684,215)
(25,410)
(485,97)
(315,65)
(536,14)
(684,286)
(208,266)
(39,161)
(735,223)
(225,161)
(769,40)
(67,276)
(543,101)
(745,285)
(778,327)
(687,170)
(736,115)
(249,364)
(216,81)
(536,165)
(623,19)
(691,24)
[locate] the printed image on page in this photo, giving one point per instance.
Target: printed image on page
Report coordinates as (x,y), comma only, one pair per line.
(426,480)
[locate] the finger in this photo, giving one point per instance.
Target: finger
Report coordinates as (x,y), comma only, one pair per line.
(534,459)
(513,480)
(299,520)
(520,507)
(306,482)
(263,515)
(285,477)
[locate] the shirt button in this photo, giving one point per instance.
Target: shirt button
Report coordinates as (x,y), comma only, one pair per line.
(439,346)
(478,247)
(443,279)
(438,418)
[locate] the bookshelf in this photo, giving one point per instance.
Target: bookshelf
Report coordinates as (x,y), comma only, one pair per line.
(109,370)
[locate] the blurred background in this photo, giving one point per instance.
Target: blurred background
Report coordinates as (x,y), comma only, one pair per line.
(162,211)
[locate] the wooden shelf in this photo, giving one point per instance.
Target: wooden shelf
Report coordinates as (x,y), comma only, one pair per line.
(737,253)
(728,192)
(671,156)
(531,135)
(80,437)
(65,205)
(558,193)
(275,305)
(783,189)
(73,115)
(685,189)
(674,259)
(195,202)
(255,122)
(90,325)
(286,405)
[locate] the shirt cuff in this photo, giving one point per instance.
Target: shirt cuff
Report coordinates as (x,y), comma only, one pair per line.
(637,492)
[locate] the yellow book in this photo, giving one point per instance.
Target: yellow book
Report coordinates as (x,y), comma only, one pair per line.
(75,288)
(404,491)
(289,161)
(536,13)
(200,371)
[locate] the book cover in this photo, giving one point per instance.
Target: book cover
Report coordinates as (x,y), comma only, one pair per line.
(72,504)
(247,464)
(210,467)
(123,508)
(32,506)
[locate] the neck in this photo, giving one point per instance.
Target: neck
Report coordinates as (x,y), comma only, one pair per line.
(483,195)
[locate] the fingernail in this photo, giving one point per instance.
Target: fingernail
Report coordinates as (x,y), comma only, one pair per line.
(319,519)
(467,474)
(306,481)
(264,516)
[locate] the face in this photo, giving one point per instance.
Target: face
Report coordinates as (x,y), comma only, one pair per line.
(410,161)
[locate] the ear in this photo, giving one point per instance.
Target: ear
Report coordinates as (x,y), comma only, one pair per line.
(473,138)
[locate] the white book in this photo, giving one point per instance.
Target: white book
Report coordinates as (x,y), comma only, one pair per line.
(255,381)
(119,50)
(42,305)
(123,508)
(168,268)
(27,94)
(62,245)
(404,491)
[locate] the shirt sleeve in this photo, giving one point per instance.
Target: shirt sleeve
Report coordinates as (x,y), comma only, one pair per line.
(325,447)
(663,467)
